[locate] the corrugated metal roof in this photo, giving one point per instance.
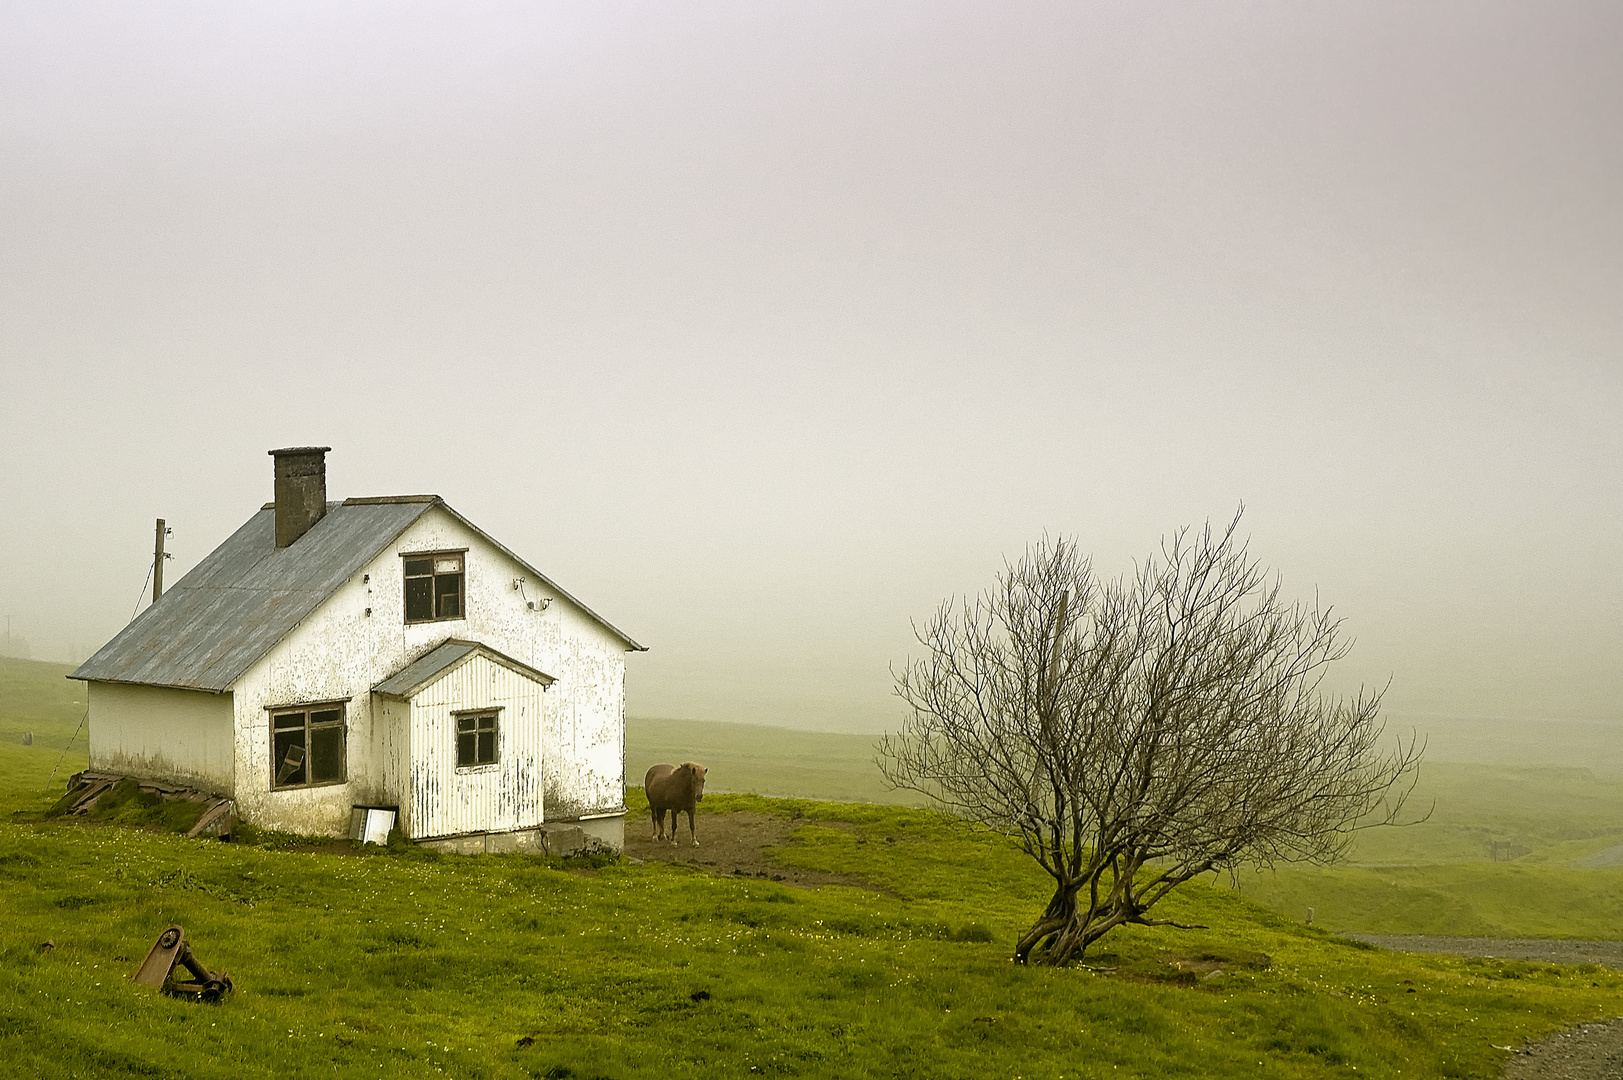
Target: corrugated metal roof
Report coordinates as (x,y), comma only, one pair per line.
(247,595)
(425,668)
(440,659)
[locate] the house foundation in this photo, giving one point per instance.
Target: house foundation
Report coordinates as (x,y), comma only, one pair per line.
(562,838)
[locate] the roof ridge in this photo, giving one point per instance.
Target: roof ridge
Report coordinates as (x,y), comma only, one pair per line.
(383,500)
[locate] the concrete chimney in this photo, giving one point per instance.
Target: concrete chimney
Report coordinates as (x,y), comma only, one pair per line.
(301,490)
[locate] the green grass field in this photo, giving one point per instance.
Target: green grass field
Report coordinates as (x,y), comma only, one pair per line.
(386,963)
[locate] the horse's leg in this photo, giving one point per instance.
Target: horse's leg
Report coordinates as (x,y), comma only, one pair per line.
(659,823)
(691,835)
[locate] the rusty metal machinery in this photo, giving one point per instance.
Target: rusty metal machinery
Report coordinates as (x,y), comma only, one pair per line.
(170,951)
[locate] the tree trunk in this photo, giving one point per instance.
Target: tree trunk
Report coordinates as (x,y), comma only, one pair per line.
(1061,913)
(1068,927)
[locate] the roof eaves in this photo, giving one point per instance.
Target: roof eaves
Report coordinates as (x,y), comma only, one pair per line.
(548,582)
(431,677)
(76,677)
(221,673)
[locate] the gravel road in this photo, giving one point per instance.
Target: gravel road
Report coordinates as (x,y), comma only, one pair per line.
(1609,953)
(1586,1052)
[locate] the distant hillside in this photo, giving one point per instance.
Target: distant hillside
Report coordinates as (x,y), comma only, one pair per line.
(37,696)
(1587,744)
(765,760)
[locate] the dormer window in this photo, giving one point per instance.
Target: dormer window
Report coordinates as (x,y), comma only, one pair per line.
(434,585)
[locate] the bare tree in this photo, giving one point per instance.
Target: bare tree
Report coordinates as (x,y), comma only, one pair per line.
(1133,734)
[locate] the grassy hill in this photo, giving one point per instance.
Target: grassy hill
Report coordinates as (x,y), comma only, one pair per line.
(1502,854)
(37,699)
(764,760)
(384,963)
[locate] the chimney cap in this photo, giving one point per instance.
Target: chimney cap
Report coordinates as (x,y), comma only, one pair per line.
(299,450)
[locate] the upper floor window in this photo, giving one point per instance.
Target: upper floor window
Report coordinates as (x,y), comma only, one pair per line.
(307,746)
(434,586)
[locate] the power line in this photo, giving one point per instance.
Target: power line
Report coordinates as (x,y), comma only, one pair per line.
(142,593)
(68,747)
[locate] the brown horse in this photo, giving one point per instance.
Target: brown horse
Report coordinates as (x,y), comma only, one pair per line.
(675,788)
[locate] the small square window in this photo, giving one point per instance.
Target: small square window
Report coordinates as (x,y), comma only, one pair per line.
(307,746)
(475,739)
(434,584)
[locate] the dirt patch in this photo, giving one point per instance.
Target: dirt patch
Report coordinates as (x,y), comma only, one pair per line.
(1549,950)
(1612,856)
(732,843)
(1179,968)
(1586,1052)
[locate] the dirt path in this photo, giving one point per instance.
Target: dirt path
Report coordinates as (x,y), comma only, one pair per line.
(731,843)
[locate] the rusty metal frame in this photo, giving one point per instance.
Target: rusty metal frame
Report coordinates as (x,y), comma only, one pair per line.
(172,950)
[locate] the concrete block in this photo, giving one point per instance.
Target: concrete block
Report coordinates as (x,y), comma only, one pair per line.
(523,841)
(564,839)
(458,845)
(608,831)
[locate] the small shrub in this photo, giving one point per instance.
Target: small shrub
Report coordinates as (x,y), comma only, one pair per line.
(269,839)
(18,864)
(594,856)
(971,932)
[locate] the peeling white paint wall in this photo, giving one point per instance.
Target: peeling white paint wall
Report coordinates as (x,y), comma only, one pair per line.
(446,800)
(340,652)
(182,736)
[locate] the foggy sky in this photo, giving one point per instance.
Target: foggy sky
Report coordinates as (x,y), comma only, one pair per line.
(764,327)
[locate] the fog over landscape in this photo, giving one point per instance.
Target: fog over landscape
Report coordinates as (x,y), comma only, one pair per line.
(764,328)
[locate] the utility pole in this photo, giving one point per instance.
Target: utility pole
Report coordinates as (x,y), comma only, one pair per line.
(157,562)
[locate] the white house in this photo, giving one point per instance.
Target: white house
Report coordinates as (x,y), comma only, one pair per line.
(375,652)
